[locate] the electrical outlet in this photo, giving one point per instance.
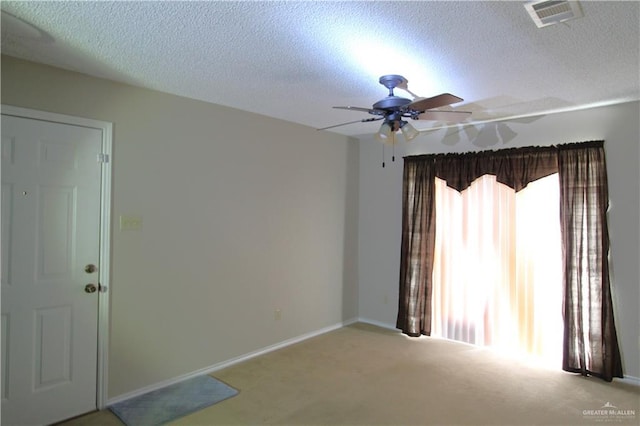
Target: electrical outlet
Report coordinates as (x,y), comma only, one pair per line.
(277,315)
(130,223)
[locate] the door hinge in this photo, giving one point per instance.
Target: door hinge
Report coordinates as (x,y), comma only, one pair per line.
(103,158)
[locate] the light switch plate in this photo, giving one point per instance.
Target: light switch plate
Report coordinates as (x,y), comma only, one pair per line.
(130,223)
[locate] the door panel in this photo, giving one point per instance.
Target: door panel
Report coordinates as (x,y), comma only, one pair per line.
(52,352)
(50,231)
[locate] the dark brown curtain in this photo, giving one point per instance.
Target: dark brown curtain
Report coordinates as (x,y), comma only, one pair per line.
(418,243)
(590,339)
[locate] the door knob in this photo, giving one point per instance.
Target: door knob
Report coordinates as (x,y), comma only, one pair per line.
(90,268)
(90,288)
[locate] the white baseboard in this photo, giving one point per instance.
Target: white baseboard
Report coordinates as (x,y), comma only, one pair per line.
(229,362)
(378,323)
(630,380)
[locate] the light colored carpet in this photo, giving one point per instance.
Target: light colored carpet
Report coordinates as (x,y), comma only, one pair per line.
(366,375)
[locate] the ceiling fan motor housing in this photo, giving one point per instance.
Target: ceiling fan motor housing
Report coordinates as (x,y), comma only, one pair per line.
(391,103)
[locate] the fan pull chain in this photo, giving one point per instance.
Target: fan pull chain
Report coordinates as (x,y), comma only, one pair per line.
(393,146)
(393,151)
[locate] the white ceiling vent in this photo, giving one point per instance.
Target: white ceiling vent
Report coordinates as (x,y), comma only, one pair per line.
(549,12)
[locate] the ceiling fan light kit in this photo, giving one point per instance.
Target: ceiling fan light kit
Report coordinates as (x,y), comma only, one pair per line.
(393,109)
(408,131)
(384,133)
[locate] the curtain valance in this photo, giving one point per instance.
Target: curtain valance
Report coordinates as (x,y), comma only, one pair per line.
(514,167)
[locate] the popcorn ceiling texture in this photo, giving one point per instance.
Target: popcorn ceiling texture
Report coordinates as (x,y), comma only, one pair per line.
(294,60)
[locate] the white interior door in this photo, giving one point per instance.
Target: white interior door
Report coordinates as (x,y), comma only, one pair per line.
(51,183)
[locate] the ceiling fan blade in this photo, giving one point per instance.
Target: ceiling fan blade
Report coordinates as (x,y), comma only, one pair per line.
(364,120)
(403,85)
(448,116)
(433,102)
(352,108)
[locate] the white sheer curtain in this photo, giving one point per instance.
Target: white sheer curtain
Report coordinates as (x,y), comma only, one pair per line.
(497,274)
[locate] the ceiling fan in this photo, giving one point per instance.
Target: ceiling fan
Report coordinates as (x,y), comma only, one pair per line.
(393,109)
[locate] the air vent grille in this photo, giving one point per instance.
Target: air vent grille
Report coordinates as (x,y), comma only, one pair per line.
(549,12)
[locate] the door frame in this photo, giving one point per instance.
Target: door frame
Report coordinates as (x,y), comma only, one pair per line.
(104,262)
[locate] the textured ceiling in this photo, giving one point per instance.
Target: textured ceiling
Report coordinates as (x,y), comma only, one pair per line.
(294,60)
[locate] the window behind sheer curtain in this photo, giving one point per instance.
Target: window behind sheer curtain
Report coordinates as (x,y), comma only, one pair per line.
(497,273)
(589,341)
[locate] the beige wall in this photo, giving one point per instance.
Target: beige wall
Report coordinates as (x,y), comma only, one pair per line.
(381,210)
(242,215)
